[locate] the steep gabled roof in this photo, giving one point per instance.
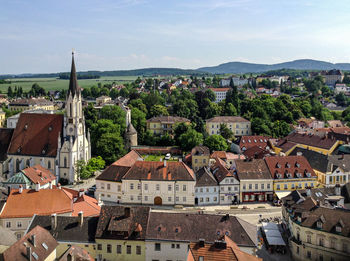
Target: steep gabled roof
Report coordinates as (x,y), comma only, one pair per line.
(36,135)
(309,140)
(220,171)
(205,178)
(39,174)
(252,169)
(5,139)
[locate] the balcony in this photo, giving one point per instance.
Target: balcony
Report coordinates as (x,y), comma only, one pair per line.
(295,240)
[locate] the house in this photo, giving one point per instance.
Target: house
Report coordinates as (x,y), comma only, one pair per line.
(5,140)
(7,239)
(165,124)
(30,104)
(11,122)
(220,93)
(341,88)
(307,125)
(330,169)
(247,142)
(78,231)
(170,234)
(2,118)
(332,77)
(307,141)
(109,182)
(63,138)
(37,244)
(159,183)
(335,123)
(223,250)
(228,183)
(237,81)
(206,188)
(290,173)
(227,157)
(102,100)
(200,157)
(31,177)
(256,183)
(23,204)
(238,125)
(75,253)
(121,232)
(318,231)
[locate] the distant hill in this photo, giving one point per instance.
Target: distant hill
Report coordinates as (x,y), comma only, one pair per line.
(303,64)
(138,72)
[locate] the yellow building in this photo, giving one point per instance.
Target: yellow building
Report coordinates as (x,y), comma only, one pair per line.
(121,232)
(318,232)
(330,169)
(238,125)
(164,124)
(290,173)
(2,118)
(200,157)
(31,104)
(316,143)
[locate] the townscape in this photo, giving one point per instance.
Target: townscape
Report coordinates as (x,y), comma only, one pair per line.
(175,169)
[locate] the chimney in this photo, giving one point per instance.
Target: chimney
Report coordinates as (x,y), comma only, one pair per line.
(127,212)
(81,192)
(81,218)
(220,244)
(337,189)
(53,221)
(201,242)
(227,216)
(164,163)
(20,189)
(308,191)
(37,186)
(50,185)
(29,253)
(59,185)
(318,203)
(33,240)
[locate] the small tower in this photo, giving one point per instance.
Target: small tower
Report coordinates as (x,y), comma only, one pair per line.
(131,133)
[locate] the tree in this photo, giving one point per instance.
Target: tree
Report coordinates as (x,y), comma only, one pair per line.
(190,139)
(110,146)
(232,95)
(216,142)
(9,92)
(225,132)
(95,164)
(81,170)
(116,114)
(159,110)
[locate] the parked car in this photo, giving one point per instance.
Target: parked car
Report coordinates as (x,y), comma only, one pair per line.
(167,156)
(92,189)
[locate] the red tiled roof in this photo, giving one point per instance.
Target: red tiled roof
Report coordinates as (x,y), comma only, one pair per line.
(219,154)
(252,169)
(88,205)
(255,152)
(251,141)
(310,140)
(36,135)
(128,160)
(39,174)
(42,202)
(291,165)
(153,170)
(18,251)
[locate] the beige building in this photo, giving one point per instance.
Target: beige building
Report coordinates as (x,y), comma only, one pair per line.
(200,157)
(159,183)
(2,118)
(31,104)
(318,230)
(164,124)
(102,100)
(238,125)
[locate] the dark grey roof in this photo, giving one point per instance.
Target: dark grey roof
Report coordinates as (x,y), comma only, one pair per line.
(68,228)
(205,178)
(317,160)
(73,82)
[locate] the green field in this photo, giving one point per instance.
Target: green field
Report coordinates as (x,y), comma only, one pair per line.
(57,84)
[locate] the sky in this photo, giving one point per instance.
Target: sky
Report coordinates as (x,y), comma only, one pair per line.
(38,36)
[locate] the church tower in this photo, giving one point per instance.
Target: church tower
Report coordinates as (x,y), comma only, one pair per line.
(76,140)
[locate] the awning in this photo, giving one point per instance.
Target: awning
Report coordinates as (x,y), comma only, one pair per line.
(275,241)
(282,194)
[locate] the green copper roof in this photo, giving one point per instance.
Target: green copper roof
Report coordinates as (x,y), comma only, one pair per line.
(19,178)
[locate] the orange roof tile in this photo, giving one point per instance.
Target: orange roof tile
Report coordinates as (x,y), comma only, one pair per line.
(128,160)
(39,174)
(88,205)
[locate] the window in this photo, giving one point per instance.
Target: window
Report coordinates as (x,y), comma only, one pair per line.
(158,187)
(157,247)
(184,199)
(99,246)
(177,245)
(169,187)
(207,189)
(236,188)
(309,239)
(222,198)
(119,249)
(321,241)
(19,236)
(8,224)
(184,188)
(139,197)
(177,199)
(109,248)
(244,187)
(131,186)
(169,199)
(102,186)
(172,245)
(285,186)
(138,250)
(196,190)
(278,186)
(297,250)
(262,186)
(293,186)
(345,247)
(177,187)
(256,186)
(19,224)
(207,199)
(139,186)
(332,244)
(131,197)
(119,188)
(196,160)
(222,188)
(146,198)
(146,186)
(108,186)
(308,254)
(268,186)
(49,164)
(229,188)
(215,199)
(204,160)
(250,186)
(128,249)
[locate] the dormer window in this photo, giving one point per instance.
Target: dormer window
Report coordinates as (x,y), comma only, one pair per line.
(249,141)
(243,141)
(287,165)
(319,224)
(19,150)
(50,128)
(278,165)
(338,229)
(297,165)
(299,219)
(255,141)
(261,140)
(26,126)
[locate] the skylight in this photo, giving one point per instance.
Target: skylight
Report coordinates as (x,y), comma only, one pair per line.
(35,255)
(45,246)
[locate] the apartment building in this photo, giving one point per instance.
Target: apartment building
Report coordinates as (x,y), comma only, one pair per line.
(31,104)
(164,124)
(200,157)
(220,93)
(206,188)
(238,125)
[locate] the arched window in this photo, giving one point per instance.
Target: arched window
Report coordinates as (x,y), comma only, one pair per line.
(49,164)
(18,165)
(65,162)
(70,110)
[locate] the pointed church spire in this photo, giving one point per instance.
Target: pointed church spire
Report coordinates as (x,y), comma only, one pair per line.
(73,82)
